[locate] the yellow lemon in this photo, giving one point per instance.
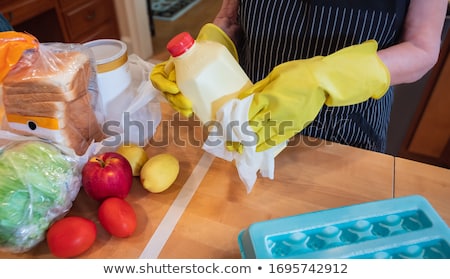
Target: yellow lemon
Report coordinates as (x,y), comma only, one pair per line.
(159,172)
(135,155)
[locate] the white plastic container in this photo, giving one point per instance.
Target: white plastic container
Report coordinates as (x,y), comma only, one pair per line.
(113,73)
(206,73)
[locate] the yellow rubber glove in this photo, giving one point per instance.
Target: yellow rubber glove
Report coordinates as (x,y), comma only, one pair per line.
(163,76)
(291,96)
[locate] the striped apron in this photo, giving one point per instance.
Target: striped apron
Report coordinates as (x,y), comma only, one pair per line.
(278,31)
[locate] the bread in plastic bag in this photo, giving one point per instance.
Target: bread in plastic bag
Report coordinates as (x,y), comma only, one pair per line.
(52,93)
(38,183)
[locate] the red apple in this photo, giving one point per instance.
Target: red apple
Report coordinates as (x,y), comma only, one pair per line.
(107,175)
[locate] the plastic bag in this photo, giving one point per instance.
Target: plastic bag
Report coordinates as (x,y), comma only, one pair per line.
(51,92)
(12,45)
(135,113)
(38,183)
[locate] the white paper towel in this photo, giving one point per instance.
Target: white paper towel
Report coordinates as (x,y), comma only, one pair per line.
(232,125)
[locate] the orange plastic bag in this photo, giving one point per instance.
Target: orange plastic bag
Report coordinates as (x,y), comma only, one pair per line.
(12,45)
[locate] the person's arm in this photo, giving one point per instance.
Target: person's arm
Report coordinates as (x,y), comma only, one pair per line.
(420,44)
(226,19)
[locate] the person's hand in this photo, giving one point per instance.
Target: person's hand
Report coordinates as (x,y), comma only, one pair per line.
(291,96)
(163,76)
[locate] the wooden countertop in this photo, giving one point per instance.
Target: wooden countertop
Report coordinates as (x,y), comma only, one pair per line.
(429,181)
(202,213)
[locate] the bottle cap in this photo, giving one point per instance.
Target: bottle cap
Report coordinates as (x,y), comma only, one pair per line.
(180,44)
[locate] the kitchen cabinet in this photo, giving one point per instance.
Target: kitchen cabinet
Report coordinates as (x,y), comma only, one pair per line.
(86,20)
(63,20)
(428,138)
(19,11)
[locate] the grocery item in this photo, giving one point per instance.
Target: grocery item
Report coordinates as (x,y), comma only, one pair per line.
(71,236)
(206,73)
(105,175)
(113,71)
(51,93)
(135,155)
(38,183)
(117,217)
(159,172)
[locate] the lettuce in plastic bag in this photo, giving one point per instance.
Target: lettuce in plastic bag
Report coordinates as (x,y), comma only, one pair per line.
(38,184)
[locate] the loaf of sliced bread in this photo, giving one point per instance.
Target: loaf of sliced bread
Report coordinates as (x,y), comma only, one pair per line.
(52,100)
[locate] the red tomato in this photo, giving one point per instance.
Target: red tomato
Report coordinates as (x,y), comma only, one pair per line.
(117,216)
(71,236)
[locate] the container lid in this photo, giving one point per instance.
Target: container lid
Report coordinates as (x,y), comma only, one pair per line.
(108,53)
(180,44)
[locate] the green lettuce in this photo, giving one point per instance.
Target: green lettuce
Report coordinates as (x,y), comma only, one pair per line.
(37,185)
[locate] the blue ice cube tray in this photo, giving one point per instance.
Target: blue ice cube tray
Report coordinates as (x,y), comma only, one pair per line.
(406,227)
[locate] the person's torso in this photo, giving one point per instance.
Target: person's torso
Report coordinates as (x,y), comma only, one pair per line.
(284,30)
